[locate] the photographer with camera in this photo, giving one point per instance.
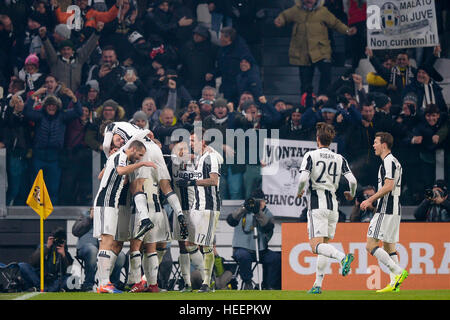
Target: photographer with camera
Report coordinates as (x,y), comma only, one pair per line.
(56,261)
(436,205)
(254,214)
(359,215)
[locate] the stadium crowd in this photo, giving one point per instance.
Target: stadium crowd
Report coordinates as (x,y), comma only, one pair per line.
(155,63)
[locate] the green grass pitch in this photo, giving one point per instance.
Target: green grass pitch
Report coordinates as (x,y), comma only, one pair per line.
(237,295)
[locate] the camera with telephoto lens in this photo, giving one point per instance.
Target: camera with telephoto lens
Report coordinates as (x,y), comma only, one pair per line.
(252,205)
(59,237)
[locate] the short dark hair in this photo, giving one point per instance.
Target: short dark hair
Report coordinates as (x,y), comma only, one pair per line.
(229,32)
(431,108)
(385,137)
(138,145)
(325,133)
(108,48)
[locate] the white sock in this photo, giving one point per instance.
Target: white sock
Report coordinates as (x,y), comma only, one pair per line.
(321,265)
(161,253)
(208,264)
(174,202)
(185,267)
(329,251)
(196,258)
(383,256)
(134,274)
(141,205)
(103,266)
(394,257)
(150,264)
(113,261)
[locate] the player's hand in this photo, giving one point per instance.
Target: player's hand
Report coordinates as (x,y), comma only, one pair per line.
(348,196)
(182,183)
(148,164)
(365,204)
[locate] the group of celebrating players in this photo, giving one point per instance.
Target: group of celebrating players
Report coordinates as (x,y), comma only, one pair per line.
(136,175)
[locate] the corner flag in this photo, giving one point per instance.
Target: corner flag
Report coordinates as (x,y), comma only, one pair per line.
(38,199)
(40,202)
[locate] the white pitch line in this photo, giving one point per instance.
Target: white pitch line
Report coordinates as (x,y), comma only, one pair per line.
(27,296)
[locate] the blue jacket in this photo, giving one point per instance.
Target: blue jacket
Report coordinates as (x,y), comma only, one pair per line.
(250,81)
(50,130)
(228,61)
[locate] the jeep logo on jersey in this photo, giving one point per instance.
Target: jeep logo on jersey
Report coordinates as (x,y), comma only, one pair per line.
(189,175)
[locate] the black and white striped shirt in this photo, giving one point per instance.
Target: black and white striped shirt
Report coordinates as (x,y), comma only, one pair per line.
(111,184)
(182,171)
(391,169)
(206,198)
(325,169)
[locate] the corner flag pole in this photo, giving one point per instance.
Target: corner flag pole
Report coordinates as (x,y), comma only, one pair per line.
(42,253)
(39,201)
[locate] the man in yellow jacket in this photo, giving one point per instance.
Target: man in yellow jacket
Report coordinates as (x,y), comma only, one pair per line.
(310,46)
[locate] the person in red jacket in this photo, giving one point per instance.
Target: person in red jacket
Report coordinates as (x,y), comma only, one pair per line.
(357,18)
(89,15)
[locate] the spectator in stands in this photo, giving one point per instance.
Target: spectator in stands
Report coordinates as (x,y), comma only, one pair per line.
(61,33)
(171,93)
(50,127)
(436,205)
(232,50)
(220,15)
(191,116)
(427,90)
(90,95)
(357,215)
(357,18)
(57,260)
(359,147)
(76,163)
(310,46)
(293,128)
(209,93)
(16,137)
(90,17)
(150,109)
(130,92)
(109,111)
(30,74)
(406,151)
(375,81)
(32,43)
(108,73)
(231,182)
(54,88)
(68,66)
(249,79)
(163,131)
(254,116)
(198,58)
(163,22)
(244,244)
(425,135)
(140,119)
(87,249)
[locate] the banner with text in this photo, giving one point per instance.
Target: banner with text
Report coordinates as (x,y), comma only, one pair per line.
(397,24)
(280,175)
(424,250)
